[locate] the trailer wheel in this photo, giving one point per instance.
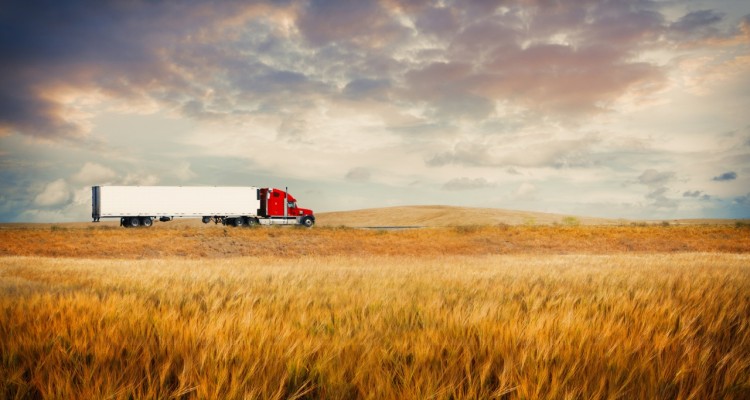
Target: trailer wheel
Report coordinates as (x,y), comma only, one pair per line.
(250,222)
(132,222)
(206,220)
(237,222)
(308,222)
(146,221)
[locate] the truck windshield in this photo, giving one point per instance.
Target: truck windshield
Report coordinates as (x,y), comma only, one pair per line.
(292,204)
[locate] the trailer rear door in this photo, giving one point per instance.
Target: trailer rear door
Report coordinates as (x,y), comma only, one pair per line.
(95,203)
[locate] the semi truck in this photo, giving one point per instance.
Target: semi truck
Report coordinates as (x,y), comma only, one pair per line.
(235,206)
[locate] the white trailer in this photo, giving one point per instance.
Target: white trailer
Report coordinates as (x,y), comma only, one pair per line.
(141,205)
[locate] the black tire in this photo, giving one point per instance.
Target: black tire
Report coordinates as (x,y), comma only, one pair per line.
(237,222)
(307,222)
(146,222)
(251,222)
(206,220)
(132,222)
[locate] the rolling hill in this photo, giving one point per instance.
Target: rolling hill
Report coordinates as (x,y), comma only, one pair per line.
(449,216)
(416,216)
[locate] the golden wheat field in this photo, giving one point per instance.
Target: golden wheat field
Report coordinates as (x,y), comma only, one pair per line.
(569,313)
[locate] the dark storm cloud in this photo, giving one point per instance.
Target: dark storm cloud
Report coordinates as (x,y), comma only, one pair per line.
(696,20)
(173,53)
(215,60)
(696,25)
(21,110)
(367,88)
(366,24)
(34,35)
(438,22)
(262,79)
(508,55)
(116,48)
(709,28)
(727,176)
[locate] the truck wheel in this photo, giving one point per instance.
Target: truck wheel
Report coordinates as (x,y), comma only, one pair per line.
(251,222)
(146,221)
(308,222)
(237,222)
(206,220)
(133,222)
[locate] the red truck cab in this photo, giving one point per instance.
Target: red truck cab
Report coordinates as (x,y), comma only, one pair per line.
(272,206)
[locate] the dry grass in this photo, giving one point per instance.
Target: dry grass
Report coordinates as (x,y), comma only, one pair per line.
(217,241)
(447,216)
(455,216)
(512,312)
(671,326)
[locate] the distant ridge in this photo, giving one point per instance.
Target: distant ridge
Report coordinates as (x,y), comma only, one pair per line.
(400,217)
(436,215)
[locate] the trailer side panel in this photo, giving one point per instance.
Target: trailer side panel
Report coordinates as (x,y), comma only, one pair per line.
(177,201)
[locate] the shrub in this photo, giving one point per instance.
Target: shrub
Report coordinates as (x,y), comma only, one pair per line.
(571,221)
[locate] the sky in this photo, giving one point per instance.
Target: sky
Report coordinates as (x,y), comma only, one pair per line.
(621,109)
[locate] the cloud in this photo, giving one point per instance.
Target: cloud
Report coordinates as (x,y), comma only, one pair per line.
(543,89)
(706,29)
(697,20)
(438,22)
(447,88)
(467,184)
(367,88)
(55,193)
(243,61)
(657,182)
(696,194)
(466,153)
(74,47)
(652,177)
(94,174)
(365,24)
(525,191)
(660,200)
(183,171)
(727,176)
(293,129)
(551,153)
(565,80)
(57,51)
(359,174)
(141,179)
(509,56)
